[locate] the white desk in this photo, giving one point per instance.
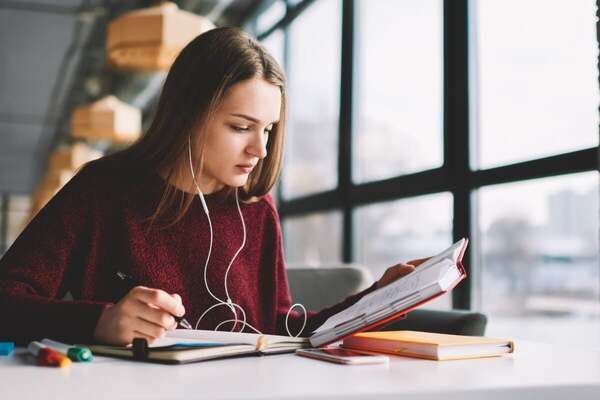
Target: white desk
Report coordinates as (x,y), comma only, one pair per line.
(535,371)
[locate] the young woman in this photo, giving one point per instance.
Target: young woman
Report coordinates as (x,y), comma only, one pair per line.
(184,211)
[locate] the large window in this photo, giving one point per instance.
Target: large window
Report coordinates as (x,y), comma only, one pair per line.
(537,79)
(313,239)
(414,123)
(314,87)
(538,256)
(403,230)
(535,84)
(399,88)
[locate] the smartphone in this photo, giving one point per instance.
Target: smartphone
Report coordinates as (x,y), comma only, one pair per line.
(343,356)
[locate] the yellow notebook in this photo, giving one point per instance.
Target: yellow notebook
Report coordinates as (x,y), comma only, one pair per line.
(432,346)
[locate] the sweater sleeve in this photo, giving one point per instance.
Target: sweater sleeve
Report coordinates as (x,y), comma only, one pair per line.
(284,301)
(42,265)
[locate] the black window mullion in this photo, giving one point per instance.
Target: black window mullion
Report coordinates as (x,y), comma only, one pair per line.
(285,66)
(420,183)
(411,185)
(456,129)
(345,128)
(322,201)
(566,163)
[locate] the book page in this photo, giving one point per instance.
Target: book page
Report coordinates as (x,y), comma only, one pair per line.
(375,301)
(452,253)
(425,275)
(188,342)
(200,335)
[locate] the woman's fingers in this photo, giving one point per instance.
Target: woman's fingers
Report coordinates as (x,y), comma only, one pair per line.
(148,328)
(393,273)
(151,314)
(400,270)
(418,261)
(159,298)
(143,312)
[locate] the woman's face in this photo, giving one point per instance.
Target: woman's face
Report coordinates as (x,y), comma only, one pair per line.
(237,135)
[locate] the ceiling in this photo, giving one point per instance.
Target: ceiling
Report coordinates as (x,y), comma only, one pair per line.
(52,59)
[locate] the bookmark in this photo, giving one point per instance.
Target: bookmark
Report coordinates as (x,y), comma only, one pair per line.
(140,349)
(261,342)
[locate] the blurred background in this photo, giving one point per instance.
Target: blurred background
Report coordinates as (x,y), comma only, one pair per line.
(412,123)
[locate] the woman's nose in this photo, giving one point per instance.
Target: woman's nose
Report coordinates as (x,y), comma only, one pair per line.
(258,147)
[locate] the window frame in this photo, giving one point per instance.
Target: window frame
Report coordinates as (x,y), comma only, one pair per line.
(455,175)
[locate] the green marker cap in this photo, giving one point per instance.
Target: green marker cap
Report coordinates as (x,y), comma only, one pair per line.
(80,354)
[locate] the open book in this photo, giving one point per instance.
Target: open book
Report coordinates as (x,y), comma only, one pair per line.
(431,279)
(184,346)
(438,275)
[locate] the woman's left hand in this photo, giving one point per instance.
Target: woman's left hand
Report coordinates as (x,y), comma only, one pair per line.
(398,271)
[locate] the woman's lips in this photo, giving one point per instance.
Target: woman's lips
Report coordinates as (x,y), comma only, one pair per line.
(246,168)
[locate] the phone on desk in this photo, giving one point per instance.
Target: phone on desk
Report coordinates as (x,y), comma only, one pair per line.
(342,356)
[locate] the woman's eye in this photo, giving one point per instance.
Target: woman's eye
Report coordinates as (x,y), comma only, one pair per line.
(240,128)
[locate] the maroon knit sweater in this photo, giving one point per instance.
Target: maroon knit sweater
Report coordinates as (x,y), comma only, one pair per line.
(97,225)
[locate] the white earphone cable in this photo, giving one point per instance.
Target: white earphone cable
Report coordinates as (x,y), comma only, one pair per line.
(207,216)
(229,303)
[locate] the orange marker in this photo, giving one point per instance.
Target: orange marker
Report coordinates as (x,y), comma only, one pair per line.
(46,356)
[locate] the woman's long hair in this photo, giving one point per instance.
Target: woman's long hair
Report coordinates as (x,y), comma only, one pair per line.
(193,91)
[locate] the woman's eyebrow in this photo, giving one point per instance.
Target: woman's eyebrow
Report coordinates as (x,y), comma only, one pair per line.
(249,118)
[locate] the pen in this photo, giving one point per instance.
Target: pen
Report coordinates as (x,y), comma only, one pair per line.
(46,356)
(75,353)
(132,283)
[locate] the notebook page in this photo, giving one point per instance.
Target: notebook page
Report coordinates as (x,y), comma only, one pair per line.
(228,337)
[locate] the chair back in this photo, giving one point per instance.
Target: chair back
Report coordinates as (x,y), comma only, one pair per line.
(316,288)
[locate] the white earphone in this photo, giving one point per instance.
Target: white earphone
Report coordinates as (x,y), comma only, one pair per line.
(228,303)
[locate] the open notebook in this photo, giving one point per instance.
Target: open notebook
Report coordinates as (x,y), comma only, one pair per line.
(438,275)
(184,346)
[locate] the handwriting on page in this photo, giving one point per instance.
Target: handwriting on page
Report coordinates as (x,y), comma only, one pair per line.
(375,301)
(389,294)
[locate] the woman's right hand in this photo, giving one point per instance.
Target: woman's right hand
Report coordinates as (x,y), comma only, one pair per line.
(143,313)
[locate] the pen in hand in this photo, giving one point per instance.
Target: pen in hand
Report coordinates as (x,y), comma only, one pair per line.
(131,283)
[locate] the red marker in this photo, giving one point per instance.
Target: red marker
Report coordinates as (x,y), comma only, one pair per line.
(46,356)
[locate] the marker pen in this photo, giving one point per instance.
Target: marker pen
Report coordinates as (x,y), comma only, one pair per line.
(73,352)
(46,356)
(6,348)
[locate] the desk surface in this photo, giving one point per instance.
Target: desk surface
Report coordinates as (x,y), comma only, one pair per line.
(533,371)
